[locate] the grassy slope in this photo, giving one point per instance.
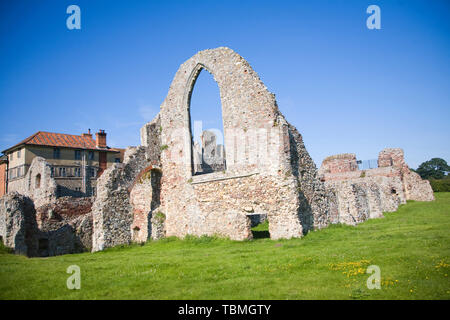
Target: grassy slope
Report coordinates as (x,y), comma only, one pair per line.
(411,246)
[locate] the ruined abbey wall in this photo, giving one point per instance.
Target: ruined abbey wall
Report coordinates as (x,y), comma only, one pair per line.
(128,195)
(259,175)
(160,190)
(38,184)
(376,190)
(60,227)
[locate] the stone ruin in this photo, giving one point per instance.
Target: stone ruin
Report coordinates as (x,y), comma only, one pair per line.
(265,173)
(35,222)
(363,194)
(61,227)
(209,156)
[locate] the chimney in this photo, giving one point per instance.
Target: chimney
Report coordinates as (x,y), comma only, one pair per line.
(89,134)
(100,139)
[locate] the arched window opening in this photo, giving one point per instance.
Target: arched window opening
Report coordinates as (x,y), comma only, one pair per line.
(37,184)
(205,110)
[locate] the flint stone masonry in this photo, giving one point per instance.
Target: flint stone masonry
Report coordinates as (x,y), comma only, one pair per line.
(339,163)
(144,197)
(265,159)
(38,184)
(210,154)
(15,212)
(265,173)
(112,210)
(414,186)
(385,187)
(61,227)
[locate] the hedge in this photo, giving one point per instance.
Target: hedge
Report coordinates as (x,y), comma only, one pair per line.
(441,185)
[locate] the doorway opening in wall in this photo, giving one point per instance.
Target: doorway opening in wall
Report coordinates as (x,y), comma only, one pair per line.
(156,188)
(260,226)
(136,232)
(206,124)
(43,247)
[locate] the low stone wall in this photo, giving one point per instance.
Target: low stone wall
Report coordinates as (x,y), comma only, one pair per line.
(53,229)
(416,188)
(16,211)
(385,187)
(361,199)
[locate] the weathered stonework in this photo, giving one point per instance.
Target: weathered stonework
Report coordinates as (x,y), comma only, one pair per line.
(38,184)
(61,227)
(112,210)
(371,191)
(15,210)
(267,166)
(160,189)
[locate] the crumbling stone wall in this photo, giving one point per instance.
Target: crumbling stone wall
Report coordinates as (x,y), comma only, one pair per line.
(38,184)
(414,187)
(15,213)
(62,227)
(385,187)
(125,195)
(265,159)
(344,162)
(267,170)
(145,200)
(316,204)
(151,141)
(209,156)
(112,210)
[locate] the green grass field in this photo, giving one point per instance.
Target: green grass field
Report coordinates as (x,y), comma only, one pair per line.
(411,247)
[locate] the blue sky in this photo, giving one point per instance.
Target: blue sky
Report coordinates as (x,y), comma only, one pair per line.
(346,88)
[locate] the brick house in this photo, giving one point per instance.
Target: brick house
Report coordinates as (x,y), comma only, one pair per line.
(76,161)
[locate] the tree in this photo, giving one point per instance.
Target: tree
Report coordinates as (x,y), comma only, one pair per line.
(435,168)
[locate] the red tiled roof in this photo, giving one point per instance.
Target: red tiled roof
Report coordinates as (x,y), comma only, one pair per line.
(61,140)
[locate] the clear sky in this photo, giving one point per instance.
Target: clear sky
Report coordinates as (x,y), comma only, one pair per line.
(346,88)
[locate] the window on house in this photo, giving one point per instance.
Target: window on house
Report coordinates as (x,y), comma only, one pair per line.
(206,124)
(117,160)
(62,172)
(52,172)
(91,155)
(77,172)
(56,153)
(77,154)
(11,157)
(18,154)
